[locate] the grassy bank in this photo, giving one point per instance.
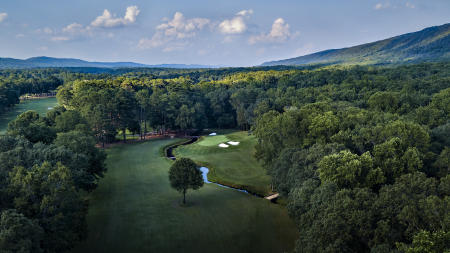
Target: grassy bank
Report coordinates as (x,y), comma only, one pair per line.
(135,210)
(234,166)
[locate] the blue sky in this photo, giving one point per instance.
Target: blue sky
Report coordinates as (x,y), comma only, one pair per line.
(231,32)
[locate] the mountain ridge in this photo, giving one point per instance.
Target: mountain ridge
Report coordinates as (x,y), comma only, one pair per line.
(52,62)
(429,44)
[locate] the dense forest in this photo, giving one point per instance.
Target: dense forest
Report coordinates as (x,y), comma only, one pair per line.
(360,153)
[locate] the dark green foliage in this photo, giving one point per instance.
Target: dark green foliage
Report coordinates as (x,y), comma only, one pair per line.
(30,126)
(349,170)
(364,164)
(18,234)
(68,121)
(183,175)
(332,220)
(84,145)
(43,177)
(48,193)
(428,242)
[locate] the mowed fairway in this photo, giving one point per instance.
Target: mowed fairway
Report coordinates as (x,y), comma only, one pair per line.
(235,165)
(134,209)
(41,106)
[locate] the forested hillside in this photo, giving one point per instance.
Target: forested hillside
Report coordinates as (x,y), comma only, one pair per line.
(430,44)
(360,153)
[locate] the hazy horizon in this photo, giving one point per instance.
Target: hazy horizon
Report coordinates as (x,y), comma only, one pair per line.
(228,33)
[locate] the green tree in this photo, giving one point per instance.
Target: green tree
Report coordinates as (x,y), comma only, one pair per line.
(125,105)
(427,242)
(384,101)
(395,159)
(18,234)
(143,101)
(48,193)
(69,120)
(183,175)
(349,170)
(185,118)
(81,143)
(31,126)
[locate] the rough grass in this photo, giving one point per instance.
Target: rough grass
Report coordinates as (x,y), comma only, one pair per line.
(135,210)
(233,166)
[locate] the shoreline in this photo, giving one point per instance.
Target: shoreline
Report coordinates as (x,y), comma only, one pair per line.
(36,97)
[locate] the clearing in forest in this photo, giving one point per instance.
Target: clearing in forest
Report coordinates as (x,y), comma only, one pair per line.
(134,209)
(234,165)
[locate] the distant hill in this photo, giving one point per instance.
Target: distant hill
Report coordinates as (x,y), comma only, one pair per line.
(430,44)
(49,62)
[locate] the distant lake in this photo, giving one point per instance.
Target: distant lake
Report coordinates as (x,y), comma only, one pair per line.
(42,106)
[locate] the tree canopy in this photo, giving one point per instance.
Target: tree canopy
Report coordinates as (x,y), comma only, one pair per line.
(184,175)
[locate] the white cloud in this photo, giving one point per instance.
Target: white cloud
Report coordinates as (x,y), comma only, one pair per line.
(394,5)
(79,31)
(76,29)
(73,28)
(177,29)
(3,16)
(279,33)
(60,38)
(245,13)
(180,27)
(107,20)
(235,25)
(146,43)
(380,6)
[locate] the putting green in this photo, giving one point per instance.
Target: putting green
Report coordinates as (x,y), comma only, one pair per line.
(211,141)
(134,209)
(234,166)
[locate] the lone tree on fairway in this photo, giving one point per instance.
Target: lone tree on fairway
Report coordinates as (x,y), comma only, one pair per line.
(184,175)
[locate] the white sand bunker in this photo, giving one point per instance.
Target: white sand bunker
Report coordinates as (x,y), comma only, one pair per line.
(223,145)
(234,143)
(213,134)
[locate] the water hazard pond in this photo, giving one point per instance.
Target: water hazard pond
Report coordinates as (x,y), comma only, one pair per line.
(205,171)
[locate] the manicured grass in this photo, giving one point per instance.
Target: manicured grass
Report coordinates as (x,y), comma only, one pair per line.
(212,141)
(135,210)
(234,166)
(41,106)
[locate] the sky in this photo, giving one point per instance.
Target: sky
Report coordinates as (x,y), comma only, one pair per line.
(209,32)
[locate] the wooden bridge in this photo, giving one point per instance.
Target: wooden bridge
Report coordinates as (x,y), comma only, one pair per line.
(272,197)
